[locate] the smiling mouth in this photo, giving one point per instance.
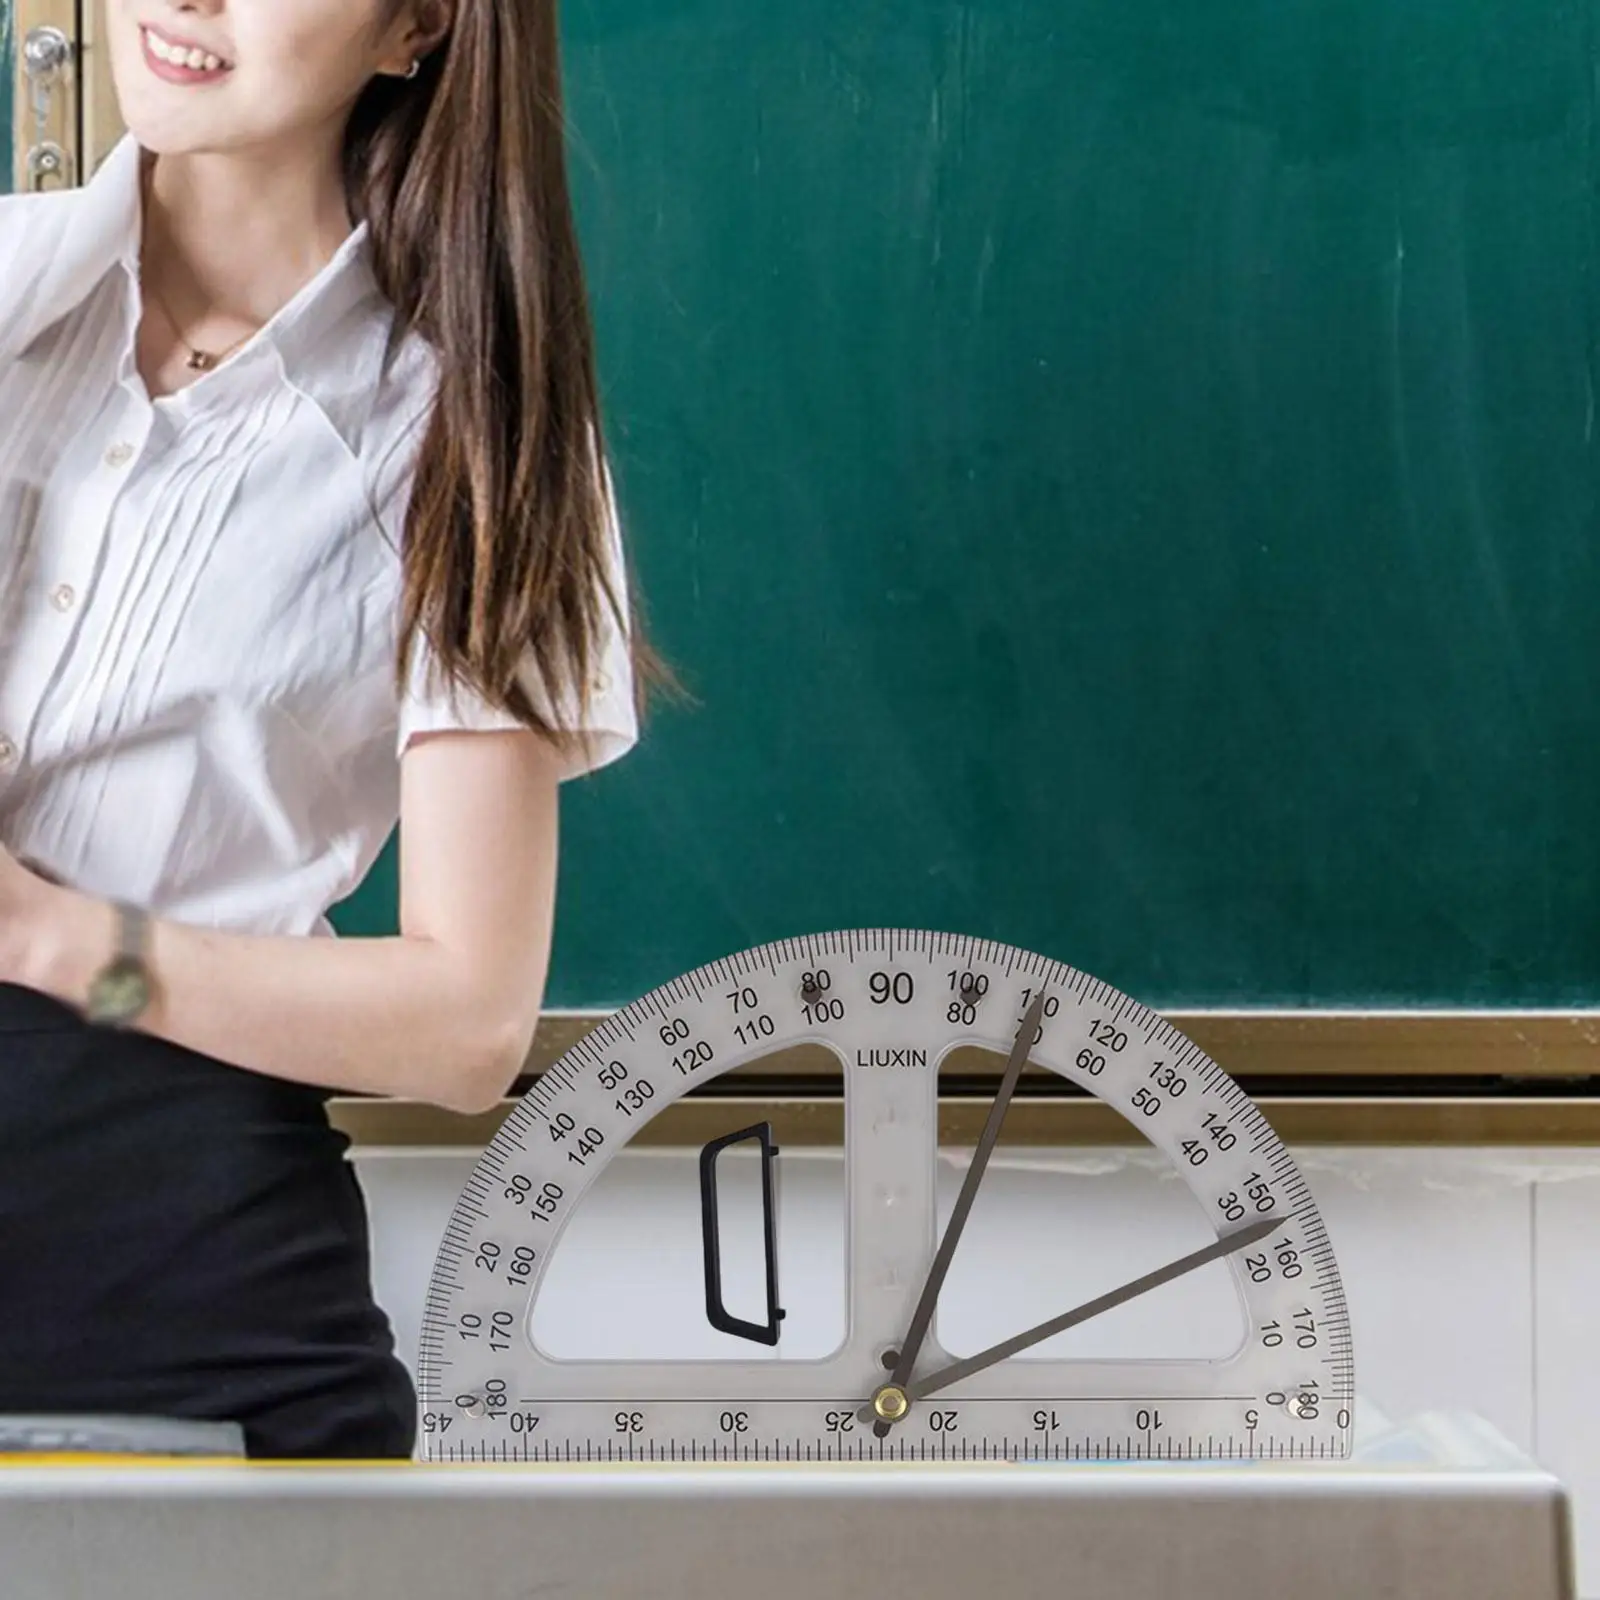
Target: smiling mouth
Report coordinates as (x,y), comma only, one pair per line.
(184,59)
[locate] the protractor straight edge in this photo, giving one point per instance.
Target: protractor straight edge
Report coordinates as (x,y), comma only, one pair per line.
(890,1004)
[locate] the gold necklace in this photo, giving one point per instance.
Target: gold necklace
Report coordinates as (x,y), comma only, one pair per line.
(198,360)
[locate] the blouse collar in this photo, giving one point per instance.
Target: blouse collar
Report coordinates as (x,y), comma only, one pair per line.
(328,339)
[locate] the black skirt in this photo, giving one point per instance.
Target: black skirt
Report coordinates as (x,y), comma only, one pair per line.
(181,1238)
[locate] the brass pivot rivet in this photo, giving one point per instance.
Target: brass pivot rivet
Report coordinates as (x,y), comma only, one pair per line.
(890,1403)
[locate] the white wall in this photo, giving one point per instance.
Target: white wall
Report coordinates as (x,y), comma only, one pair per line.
(1473,1276)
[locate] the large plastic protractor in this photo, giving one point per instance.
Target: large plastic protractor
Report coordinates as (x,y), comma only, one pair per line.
(890,1004)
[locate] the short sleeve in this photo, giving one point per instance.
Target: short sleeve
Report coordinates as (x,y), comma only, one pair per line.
(430,704)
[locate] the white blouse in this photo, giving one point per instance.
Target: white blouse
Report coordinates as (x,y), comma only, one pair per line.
(198,607)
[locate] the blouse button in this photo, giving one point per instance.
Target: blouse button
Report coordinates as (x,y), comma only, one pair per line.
(8,753)
(119,455)
(62,596)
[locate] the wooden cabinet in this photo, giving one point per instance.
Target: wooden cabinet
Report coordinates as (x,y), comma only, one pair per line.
(61,127)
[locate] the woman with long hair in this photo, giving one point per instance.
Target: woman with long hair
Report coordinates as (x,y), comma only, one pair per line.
(306,529)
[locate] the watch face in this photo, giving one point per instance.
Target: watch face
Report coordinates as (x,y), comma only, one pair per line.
(120,992)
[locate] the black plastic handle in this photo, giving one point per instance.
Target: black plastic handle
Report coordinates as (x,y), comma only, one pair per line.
(716,1312)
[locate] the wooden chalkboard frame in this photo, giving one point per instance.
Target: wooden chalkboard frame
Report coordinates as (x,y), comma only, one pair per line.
(1398,1078)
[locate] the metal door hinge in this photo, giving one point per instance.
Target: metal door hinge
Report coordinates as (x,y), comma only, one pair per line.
(47,55)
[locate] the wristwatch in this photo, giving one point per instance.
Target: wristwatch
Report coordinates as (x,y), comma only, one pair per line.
(124,987)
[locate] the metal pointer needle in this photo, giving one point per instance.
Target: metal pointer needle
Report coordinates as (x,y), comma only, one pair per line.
(964,1368)
(923,1315)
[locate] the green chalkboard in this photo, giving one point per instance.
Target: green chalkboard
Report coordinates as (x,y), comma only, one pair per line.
(1120,476)
(8,71)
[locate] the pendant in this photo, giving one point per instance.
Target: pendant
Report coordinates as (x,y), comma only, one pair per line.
(200,361)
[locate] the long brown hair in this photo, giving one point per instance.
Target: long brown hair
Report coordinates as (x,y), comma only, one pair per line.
(460,174)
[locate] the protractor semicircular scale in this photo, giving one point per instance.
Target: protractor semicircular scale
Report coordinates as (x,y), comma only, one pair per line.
(891,1004)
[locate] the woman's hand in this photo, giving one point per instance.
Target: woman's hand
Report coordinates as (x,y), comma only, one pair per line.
(30,898)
